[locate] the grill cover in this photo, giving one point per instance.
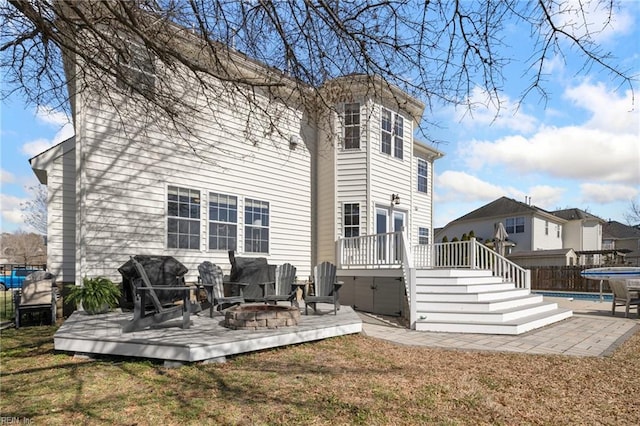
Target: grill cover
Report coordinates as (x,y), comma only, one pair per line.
(253,271)
(163,271)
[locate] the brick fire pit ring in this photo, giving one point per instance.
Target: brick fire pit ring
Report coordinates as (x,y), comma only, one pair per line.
(256,317)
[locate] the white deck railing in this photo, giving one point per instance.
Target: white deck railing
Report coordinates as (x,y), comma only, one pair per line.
(371,251)
(390,250)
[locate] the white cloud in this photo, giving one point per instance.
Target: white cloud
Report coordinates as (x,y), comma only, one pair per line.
(10,212)
(545,196)
(37,146)
(610,112)
(485,111)
(461,186)
(603,194)
(580,18)
(6,176)
(50,116)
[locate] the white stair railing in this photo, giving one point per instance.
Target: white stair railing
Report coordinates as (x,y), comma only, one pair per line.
(473,255)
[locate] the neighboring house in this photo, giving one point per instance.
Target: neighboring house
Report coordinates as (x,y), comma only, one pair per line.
(583,233)
(623,241)
(119,188)
(528,227)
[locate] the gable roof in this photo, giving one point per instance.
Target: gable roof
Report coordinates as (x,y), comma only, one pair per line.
(575,214)
(506,207)
(613,230)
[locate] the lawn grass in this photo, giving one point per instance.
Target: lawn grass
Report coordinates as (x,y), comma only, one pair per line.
(345,380)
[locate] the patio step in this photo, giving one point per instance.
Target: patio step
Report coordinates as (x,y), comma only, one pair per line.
(472,297)
(512,327)
(474,301)
(479,306)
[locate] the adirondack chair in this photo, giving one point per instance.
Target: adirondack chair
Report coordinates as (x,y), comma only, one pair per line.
(160,312)
(283,288)
(326,288)
(212,279)
(38,294)
(623,296)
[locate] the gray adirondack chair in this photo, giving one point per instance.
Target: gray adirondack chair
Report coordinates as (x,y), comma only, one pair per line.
(38,293)
(212,279)
(326,288)
(623,296)
(159,312)
(283,288)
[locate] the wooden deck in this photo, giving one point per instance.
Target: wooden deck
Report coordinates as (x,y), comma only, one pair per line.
(205,340)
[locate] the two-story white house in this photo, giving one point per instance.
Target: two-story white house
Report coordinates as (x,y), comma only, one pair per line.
(583,234)
(260,171)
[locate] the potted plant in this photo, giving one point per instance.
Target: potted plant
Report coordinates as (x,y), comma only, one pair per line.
(97,295)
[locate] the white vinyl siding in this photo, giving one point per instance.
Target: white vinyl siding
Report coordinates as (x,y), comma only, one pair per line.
(126,170)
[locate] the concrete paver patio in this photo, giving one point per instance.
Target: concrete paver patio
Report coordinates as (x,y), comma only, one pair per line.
(592,331)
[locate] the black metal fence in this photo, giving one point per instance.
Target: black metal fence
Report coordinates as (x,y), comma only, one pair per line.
(7,308)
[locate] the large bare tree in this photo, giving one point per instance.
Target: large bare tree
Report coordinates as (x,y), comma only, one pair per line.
(437,51)
(34,210)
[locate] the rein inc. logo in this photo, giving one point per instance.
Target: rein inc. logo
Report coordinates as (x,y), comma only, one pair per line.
(7,420)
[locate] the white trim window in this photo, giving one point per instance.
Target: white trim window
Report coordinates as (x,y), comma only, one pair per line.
(351,118)
(514,225)
(391,133)
(256,226)
(183,218)
(223,220)
(137,67)
(423,236)
(351,220)
(423,176)
(558,233)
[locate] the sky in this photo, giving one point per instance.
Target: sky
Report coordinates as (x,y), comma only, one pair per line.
(577,148)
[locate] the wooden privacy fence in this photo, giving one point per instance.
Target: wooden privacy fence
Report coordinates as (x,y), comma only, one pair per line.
(564,278)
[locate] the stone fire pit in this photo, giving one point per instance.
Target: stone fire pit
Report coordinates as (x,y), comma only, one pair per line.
(255,317)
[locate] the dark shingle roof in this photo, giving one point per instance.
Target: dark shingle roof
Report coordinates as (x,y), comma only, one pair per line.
(617,230)
(501,207)
(575,214)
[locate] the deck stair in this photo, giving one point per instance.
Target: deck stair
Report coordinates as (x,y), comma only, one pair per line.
(474,301)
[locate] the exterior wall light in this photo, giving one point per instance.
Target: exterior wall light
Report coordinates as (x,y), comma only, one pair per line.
(395,199)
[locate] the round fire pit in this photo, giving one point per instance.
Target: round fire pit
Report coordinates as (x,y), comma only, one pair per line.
(255,317)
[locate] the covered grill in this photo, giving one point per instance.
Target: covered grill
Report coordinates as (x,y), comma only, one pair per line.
(253,271)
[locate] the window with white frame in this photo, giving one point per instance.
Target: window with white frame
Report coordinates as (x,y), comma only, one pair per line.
(398,137)
(223,219)
(423,236)
(351,220)
(183,218)
(137,66)
(256,226)
(391,133)
(514,225)
(423,176)
(558,231)
(351,126)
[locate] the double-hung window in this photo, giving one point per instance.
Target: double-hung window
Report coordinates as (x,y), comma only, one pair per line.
(391,133)
(183,218)
(423,236)
(423,176)
(223,219)
(256,226)
(351,126)
(351,220)
(137,67)
(514,225)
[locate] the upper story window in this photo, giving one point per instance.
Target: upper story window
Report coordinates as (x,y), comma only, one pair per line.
(256,226)
(137,66)
(423,236)
(223,219)
(352,126)
(183,218)
(351,220)
(546,227)
(391,133)
(423,176)
(558,233)
(514,225)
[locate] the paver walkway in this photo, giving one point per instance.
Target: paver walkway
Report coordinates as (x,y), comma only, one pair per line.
(592,331)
